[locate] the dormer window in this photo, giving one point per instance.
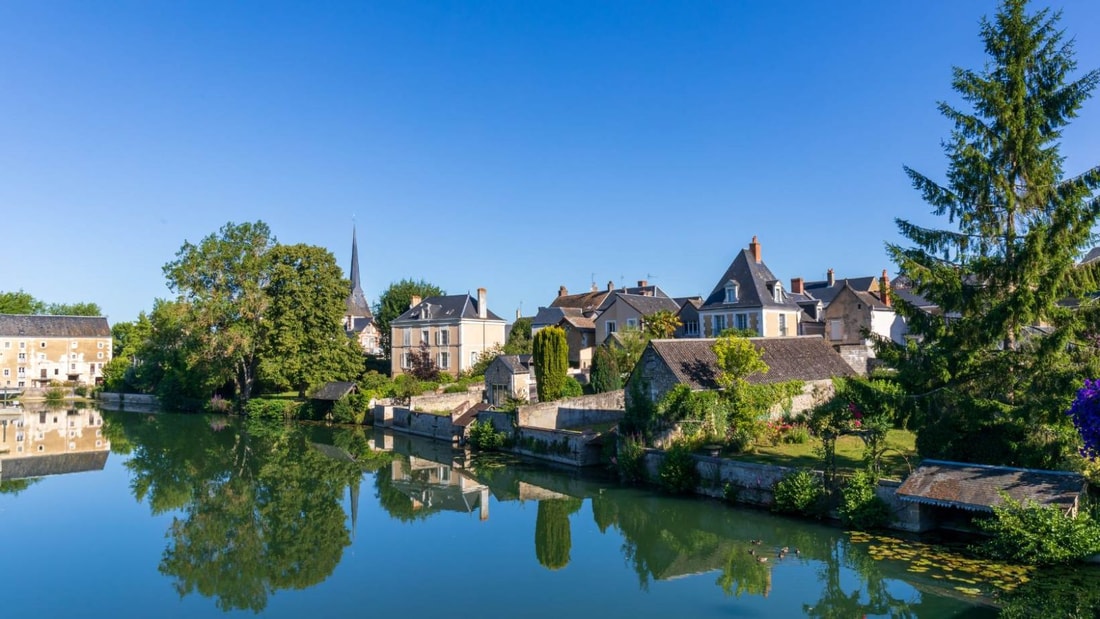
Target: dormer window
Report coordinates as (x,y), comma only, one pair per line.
(777,292)
(731,291)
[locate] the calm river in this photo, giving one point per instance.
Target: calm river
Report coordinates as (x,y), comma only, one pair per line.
(139,515)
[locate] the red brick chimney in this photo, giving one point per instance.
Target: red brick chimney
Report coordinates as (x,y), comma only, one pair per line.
(831,278)
(798,285)
(642,283)
(754,247)
(884,288)
(562,291)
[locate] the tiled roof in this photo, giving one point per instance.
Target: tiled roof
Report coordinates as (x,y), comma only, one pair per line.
(587,301)
(453,306)
(808,358)
(752,280)
(978,487)
(516,364)
(333,391)
(22,325)
(579,322)
(822,290)
(553,315)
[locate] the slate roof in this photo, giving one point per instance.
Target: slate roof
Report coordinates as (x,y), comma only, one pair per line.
(455,306)
(753,280)
(356,302)
(1092,256)
(516,364)
(586,301)
(805,358)
(977,487)
(333,391)
(25,467)
(643,304)
(822,290)
(547,316)
(911,297)
(359,323)
(22,325)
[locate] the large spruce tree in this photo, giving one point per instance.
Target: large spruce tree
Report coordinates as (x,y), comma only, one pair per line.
(992,372)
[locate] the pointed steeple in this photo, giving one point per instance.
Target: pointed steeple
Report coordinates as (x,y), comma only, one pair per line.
(357,301)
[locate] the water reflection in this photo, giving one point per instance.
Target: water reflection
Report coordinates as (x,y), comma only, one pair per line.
(37,441)
(258,508)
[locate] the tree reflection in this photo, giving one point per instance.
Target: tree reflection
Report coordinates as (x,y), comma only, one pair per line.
(261,508)
(872,598)
(553,536)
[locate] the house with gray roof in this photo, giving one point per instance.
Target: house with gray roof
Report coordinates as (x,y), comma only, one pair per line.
(750,297)
(509,377)
(622,310)
(453,329)
(665,364)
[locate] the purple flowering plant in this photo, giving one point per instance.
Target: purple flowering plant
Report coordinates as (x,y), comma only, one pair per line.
(1085,413)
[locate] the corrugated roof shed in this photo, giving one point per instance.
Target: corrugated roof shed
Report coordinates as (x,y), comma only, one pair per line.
(23,325)
(978,487)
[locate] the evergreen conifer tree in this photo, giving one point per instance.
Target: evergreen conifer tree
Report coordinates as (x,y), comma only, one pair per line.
(992,372)
(551,361)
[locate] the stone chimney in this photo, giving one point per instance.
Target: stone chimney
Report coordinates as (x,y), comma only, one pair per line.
(482,308)
(798,285)
(754,247)
(595,288)
(642,283)
(831,278)
(414,300)
(562,291)
(610,285)
(884,288)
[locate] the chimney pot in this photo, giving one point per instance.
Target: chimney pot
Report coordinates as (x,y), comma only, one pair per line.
(610,285)
(754,247)
(831,277)
(562,291)
(482,310)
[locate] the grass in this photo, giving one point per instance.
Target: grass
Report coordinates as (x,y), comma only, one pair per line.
(849,454)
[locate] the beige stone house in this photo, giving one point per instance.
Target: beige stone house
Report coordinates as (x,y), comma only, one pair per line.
(509,377)
(749,296)
(37,350)
(37,443)
(454,329)
(621,310)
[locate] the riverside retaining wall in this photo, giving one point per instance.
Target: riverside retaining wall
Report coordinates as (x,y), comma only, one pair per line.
(588,410)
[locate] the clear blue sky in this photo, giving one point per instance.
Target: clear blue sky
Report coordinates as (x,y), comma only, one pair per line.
(517,146)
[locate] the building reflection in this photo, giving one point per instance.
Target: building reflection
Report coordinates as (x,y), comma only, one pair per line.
(38,441)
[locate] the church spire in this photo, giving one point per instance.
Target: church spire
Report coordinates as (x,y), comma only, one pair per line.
(357,301)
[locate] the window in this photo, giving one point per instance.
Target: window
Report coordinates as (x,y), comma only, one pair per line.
(72,366)
(405,361)
(42,344)
(444,360)
(23,345)
(7,372)
(406,336)
(611,327)
(836,329)
(7,344)
(691,327)
(584,340)
(719,325)
(443,337)
(72,356)
(474,357)
(631,323)
(99,344)
(22,372)
(731,292)
(22,356)
(72,345)
(741,321)
(782,324)
(22,384)
(778,292)
(56,371)
(99,355)
(425,336)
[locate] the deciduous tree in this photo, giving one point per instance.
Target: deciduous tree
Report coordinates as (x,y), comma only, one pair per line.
(394,301)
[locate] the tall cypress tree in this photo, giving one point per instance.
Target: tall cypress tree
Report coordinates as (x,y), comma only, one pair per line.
(994,371)
(551,361)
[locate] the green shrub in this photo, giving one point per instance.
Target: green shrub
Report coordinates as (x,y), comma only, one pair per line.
(801,492)
(571,388)
(677,473)
(631,459)
(350,409)
(81,390)
(1040,535)
(483,436)
(798,434)
(859,507)
(269,409)
(55,394)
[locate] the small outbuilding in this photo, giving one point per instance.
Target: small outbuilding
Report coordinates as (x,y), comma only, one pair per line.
(333,391)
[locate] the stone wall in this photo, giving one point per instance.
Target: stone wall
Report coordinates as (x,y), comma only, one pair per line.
(564,446)
(400,418)
(502,422)
(803,402)
(573,412)
(857,356)
(128,401)
(444,401)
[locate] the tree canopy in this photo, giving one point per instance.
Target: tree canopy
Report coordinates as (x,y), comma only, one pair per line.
(21,302)
(993,370)
(394,301)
